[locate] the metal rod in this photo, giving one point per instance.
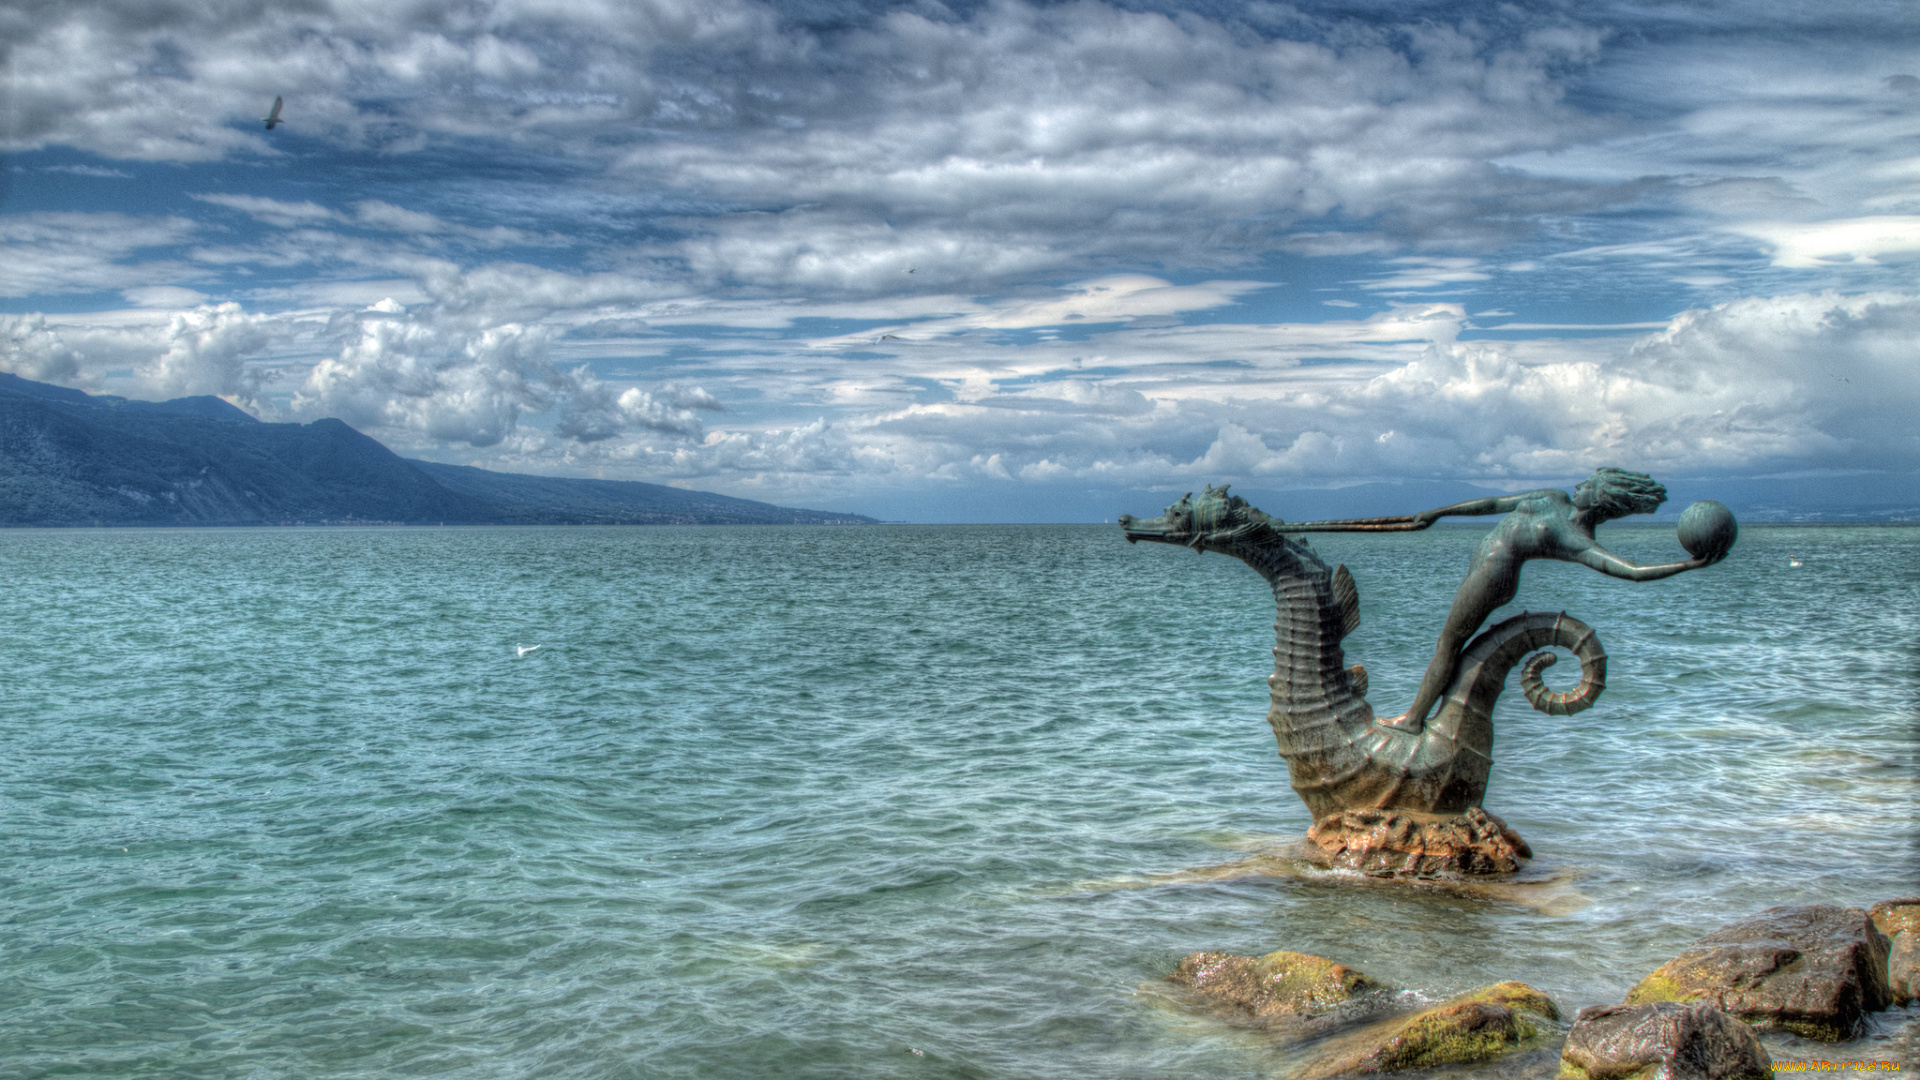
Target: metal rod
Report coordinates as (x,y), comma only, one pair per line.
(1403,523)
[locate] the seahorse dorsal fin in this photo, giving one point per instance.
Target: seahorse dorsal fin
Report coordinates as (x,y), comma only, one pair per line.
(1346,600)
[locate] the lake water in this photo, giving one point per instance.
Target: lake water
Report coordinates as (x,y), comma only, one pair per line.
(855,802)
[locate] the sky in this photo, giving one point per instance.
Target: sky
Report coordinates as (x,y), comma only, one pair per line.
(966,260)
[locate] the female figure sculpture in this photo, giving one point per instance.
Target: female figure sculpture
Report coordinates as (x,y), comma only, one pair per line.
(1543,524)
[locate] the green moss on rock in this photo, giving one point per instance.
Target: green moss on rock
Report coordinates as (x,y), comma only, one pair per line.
(1479,1026)
(1570,1071)
(1278,984)
(1815,970)
(1659,987)
(1517,996)
(1311,983)
(1453,1034)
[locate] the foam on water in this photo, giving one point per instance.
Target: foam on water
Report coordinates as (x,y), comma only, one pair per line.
(801,802)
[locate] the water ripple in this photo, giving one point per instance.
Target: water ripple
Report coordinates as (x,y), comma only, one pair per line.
(802,802)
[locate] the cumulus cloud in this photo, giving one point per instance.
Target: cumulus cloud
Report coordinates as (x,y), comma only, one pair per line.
(206,353)
(32,350)
(1011,241)
(433,377)
(203,350)
(1802,380)
(594,412)
(448,375)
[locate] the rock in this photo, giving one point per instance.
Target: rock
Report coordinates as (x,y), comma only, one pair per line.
(1900,921)
(1277,984)
(1892,917)
(1903,968)
(1485,1024)
(1815,970)
(1665,1040)
(1406,842)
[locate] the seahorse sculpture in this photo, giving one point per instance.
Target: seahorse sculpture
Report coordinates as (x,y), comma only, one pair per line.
(1340,759)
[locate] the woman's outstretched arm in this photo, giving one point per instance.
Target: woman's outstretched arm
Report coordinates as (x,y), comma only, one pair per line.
(1614,566)
(1492,504)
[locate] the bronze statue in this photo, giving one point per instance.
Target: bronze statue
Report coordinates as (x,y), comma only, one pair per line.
(1421,779)
(1543,524)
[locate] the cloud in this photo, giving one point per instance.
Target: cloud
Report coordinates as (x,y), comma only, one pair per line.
(163,296)
(207,349)
(448,374)
(206,353)
(1752,385)
(432,376)
(275,212)
(1758,384)
(88,170)
(1890,238)
(32,350)
(594,412)
(1008,240)
(374,215)
(1416,273)
(1012,140)
(66,252)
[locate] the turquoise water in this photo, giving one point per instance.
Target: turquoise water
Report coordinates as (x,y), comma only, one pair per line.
(862,802)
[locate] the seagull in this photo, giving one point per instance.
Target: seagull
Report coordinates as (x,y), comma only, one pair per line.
(525,649)
(1794,562)
(273,115)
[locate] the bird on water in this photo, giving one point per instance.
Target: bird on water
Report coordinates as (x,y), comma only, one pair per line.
(525,649)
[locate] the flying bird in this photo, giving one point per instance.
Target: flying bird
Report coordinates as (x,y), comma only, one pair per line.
(273,115)
(525,649)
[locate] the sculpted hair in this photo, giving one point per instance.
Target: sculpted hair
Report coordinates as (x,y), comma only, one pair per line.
(1617,492)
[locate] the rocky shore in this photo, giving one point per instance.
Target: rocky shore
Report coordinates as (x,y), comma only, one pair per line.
(1816,971)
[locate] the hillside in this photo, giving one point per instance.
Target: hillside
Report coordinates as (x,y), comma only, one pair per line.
(71,458)
(618,502)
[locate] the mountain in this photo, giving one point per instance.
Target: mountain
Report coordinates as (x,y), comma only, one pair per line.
(72,458)
(617,502)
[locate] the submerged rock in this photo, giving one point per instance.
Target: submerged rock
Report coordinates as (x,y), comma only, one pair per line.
(1665,1040)
(1488,1023)
(1279,984)
(1900,921)
(1404,842)
(1814,970)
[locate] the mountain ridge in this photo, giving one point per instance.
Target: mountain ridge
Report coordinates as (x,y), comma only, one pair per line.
(71,458)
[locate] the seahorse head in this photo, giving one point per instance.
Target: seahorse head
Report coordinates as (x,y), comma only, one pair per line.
(1216,521)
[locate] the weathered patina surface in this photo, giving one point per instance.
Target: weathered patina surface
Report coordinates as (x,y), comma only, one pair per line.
(1339,755)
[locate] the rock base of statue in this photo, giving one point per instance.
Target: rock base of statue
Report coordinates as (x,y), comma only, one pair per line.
(1406,843)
